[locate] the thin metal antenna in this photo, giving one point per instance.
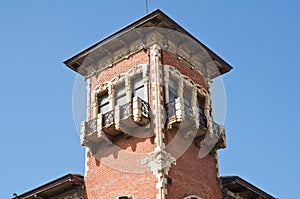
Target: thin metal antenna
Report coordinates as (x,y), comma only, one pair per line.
(147,7)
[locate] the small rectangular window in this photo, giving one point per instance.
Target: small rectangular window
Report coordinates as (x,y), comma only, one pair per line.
(120,94)
(138,87)
(201,102)
(187,96)
(103,103)
(172,89)
(202,117)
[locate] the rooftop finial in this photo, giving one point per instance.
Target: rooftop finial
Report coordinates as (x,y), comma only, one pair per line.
(147,7)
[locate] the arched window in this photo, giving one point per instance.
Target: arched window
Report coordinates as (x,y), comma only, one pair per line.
(192,197)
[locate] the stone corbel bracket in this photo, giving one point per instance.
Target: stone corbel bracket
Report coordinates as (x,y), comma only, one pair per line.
(159,161)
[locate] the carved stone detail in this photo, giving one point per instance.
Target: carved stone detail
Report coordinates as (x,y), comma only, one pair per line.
(159,161)
(170,71)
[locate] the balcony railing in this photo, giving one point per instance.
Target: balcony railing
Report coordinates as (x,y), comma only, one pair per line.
(122,118)
(216,129)
(219,132)
(131,115)
(193,121)
(91,127)
(140,111)
(108,118)
(125,110)
(171,111)
(188,112)
(145,108)
(181,112)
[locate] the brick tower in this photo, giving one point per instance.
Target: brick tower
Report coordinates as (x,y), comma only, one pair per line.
(149,130)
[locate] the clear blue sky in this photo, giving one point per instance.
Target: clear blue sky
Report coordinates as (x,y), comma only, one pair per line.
(259,38)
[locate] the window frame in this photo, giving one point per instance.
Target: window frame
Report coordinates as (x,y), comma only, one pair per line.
(120,87)
(172,90)
(187,95)
(139,88)
(99,102)
(201,103)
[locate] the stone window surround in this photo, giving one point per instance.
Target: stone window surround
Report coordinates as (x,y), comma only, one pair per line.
(169,72)
(183,83)
(117,80)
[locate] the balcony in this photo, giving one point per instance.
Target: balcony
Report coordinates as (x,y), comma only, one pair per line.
(193,122)
(133,115)
(89,129)
(98,129)
(179,114)
(183,116)
(122,119)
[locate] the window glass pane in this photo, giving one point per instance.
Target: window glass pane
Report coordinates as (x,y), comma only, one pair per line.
(103,103)
(201,101)
(201,111)
(172,89)
(104,108)
(139,93)
(120,94)
(172,95)
(121,100)
(103,99)
(187,102)
(172,84)
(120,90)
(200,104)
(187,96)
(138,82)
(138,87)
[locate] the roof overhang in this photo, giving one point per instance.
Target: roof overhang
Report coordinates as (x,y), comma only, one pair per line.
(154,28)
(60,185)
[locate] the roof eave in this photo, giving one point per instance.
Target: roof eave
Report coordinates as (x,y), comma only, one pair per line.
(74,179)
(72,62)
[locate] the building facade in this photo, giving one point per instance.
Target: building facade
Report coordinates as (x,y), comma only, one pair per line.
(150,129)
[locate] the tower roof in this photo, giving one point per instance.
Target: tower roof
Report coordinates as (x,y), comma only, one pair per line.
(129,39)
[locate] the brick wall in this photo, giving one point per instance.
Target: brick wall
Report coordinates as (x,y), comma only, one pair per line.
(170,59)
(105,182)
(191,175)
(120,67)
